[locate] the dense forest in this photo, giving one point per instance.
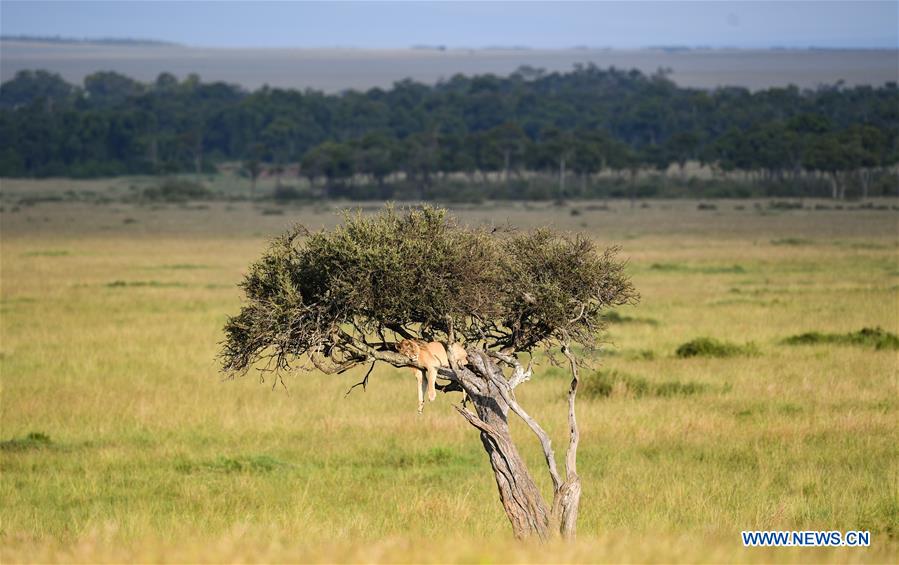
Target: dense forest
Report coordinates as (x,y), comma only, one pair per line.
(572,127)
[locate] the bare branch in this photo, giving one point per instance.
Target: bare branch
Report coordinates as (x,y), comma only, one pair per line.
(566,505)
(363,382)
(574,433)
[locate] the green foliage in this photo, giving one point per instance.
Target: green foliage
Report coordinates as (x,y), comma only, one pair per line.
(416,271)
(877,338)
(34,440)
(603,384)
(711,347)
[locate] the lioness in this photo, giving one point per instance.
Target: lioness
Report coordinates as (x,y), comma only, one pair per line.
(432,356)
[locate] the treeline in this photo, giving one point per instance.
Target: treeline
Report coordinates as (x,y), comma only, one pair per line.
(573,126)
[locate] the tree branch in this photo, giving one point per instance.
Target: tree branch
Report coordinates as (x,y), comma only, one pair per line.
(363,382)
(520,375)
(574,433)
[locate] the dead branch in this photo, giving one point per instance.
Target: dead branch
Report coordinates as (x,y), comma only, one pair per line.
(363,382)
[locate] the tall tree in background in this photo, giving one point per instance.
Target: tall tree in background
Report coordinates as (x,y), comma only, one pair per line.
(252,166)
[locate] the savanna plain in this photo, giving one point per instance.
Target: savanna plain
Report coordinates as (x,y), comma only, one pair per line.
(121,441)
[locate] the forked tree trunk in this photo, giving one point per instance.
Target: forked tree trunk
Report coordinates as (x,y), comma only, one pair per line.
(519,494)
(493,397)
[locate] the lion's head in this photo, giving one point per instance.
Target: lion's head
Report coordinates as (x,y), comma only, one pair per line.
(409,348)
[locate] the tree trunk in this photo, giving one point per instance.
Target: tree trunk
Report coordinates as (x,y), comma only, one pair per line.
(493,396)
(506,160)
(562,177)
(865,182)
(518,492)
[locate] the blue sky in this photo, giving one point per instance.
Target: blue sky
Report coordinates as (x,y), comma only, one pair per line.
(622,24)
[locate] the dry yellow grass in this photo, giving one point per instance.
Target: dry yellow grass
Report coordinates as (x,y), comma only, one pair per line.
(109,332)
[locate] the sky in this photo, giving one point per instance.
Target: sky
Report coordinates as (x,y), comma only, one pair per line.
(371,24)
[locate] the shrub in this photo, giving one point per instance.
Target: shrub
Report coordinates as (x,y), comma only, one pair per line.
(34,440)
(877,338)
(285,193)
(603,384)
(177,190)
(790,241)
(710,347)
(784,205)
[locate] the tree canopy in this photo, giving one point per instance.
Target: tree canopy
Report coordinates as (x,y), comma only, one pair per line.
(334,299)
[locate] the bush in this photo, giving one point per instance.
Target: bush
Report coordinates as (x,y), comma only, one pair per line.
(791,241)
(285,193)
(603,384)
(178,190)
(784,205)
(877,338)
(34,440)
(710,347)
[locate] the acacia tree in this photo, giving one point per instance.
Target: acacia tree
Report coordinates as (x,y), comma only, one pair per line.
(333,300)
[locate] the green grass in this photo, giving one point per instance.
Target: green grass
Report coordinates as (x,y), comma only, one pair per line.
(122,443)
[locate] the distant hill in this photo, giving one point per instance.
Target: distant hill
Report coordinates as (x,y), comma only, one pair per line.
(337,69)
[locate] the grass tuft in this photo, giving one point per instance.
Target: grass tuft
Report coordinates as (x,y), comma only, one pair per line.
(711,347)
(603,384)
(877,338)
(222,464)
(34,440)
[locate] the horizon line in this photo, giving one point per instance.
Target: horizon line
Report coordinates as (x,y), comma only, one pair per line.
(147,42)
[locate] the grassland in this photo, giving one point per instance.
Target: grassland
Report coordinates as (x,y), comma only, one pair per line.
(110,319)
